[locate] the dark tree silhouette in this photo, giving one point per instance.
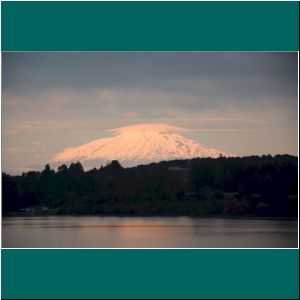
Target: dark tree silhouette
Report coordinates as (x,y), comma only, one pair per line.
(252,186)
(62,168)
(76,169)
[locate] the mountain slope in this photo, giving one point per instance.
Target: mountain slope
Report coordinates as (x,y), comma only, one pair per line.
(137,144)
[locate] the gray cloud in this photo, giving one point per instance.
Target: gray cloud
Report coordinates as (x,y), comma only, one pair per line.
(230,73)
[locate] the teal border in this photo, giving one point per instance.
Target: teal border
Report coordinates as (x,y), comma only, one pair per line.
(133,274)
(150,26)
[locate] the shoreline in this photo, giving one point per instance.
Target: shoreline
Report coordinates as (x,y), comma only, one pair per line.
(204,216)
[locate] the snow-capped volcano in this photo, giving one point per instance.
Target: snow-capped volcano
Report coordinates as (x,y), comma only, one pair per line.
(135,145)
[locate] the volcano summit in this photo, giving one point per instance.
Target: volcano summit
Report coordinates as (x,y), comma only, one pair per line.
(135,145)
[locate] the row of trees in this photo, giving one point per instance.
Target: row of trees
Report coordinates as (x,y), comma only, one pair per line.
(252,185)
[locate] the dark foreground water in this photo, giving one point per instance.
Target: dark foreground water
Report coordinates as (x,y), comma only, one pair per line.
(147,232)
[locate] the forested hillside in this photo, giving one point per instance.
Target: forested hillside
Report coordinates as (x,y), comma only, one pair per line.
(246,186)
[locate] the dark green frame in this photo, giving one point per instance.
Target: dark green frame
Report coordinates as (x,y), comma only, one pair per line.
(133,274)
(150,26)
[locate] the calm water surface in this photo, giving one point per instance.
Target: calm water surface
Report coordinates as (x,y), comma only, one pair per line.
(148,232)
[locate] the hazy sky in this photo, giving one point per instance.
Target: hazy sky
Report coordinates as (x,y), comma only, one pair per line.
(241,102)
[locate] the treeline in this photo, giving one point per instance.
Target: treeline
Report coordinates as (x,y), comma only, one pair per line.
(255,185)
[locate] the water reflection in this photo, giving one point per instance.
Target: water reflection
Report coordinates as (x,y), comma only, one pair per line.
(148,232)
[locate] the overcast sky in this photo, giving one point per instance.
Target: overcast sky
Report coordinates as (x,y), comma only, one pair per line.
(241,102)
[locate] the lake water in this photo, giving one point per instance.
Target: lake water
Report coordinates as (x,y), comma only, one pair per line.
(147,232)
